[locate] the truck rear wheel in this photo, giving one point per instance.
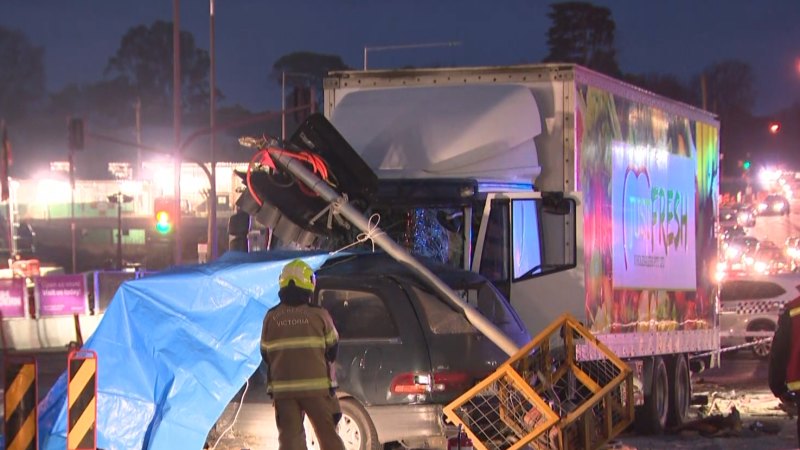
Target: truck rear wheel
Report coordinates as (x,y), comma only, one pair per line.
(651,418)
(680,390)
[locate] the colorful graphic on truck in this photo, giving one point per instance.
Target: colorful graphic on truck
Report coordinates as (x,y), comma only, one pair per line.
(652,194)
(656,173)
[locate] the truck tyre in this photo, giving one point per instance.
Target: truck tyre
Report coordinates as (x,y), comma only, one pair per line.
(680,390)
(651,418)
(355,428)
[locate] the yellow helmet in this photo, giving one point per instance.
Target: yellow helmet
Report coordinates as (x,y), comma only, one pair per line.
(299,273)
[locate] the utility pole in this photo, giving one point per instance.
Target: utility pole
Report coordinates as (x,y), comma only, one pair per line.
(283,106)
(119,198)
(212,196)
(138,109)
(176,121)
(75,142)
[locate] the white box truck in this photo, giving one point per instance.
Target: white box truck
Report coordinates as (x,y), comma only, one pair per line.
(569,190)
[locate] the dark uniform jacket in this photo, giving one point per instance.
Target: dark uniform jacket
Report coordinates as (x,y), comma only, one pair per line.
(784,358)
(299,344)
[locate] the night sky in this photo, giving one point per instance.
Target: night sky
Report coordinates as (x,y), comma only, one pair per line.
(679,37)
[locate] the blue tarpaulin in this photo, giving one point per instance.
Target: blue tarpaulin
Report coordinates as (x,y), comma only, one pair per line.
(172,351)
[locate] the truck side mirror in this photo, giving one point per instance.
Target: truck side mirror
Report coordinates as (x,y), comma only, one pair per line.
(555,203)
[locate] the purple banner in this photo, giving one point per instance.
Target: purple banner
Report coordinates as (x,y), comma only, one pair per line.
(12,297)
(61,294)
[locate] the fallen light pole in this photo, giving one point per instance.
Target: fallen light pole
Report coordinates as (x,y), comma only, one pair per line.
(394,250)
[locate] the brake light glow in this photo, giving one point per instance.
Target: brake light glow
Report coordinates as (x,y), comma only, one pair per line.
(411,383)
(422,383)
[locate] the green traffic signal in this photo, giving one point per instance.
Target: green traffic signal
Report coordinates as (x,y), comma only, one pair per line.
(746,165)
(163,224)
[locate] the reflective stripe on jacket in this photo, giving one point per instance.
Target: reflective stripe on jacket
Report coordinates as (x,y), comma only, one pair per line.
(299,344)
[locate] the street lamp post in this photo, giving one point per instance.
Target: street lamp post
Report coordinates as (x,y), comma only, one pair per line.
(176,122)
(407,46)
(212,194)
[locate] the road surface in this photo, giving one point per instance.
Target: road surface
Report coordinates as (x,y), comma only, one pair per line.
(740,382)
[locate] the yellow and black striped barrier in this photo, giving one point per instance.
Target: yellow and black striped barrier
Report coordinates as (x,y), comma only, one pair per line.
(82,400)
(20,411)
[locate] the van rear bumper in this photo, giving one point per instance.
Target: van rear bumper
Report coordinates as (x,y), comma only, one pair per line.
(422,425)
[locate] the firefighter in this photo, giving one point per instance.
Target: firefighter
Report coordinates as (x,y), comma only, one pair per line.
(299,344)
(784,358)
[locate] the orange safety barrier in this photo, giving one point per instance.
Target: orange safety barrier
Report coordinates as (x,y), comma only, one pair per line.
(82,400)
(20,409)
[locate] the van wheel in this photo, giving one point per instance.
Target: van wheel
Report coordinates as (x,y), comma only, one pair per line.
(680,390)
(651,418)
(355,428)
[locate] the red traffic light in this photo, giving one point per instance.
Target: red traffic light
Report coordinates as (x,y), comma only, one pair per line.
(774,127)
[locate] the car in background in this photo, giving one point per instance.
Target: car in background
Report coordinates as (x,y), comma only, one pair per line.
(770,260)
(774,205)
(737,254)
(729,232)
(405,351)
(745,215)
(727,217)
(792,249)
(740,215)
(749,309)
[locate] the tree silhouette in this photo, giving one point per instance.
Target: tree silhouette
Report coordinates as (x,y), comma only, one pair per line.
(582,33)
(730,88)
(304,72)
(144,60)
(22,74)
(314,67)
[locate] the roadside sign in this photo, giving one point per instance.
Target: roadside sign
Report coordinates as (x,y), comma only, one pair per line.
(13,298)
(58,295)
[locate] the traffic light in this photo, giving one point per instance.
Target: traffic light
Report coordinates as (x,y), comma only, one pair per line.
(774,127)
(746,164)
(164,214)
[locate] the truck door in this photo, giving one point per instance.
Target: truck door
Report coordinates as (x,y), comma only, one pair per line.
(524,235)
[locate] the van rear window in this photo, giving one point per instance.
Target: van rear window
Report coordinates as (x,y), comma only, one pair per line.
(446,319)
(358,314)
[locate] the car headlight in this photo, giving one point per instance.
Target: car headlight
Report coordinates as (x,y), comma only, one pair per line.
(760,266)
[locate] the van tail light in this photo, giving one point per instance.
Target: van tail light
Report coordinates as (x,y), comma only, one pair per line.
(422,383)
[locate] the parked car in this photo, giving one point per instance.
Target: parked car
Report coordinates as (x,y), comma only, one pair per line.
(774,205)
(405,351)
(750,306)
